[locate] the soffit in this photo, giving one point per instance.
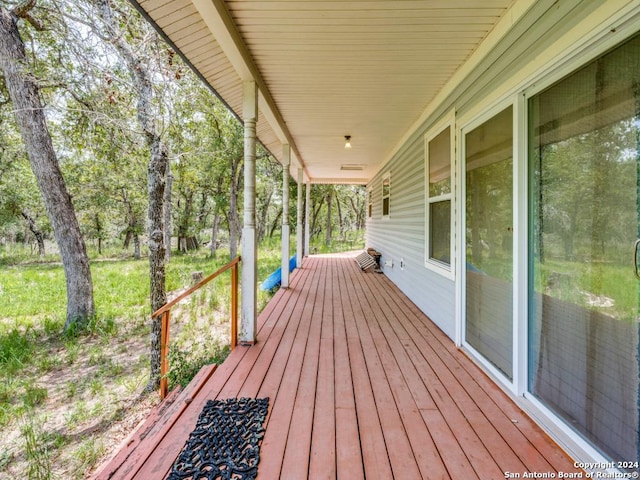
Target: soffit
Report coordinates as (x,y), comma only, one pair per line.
(362,68)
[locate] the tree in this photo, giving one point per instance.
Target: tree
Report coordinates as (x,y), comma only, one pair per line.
(25,97)
(141,77)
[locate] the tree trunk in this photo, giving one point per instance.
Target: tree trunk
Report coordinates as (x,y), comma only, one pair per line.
(234,218)
(156,177)
(183,227)
(328,231)
(157,276)
(340,219)
(127,239)
(136,246)
(99,232)
(213,247)
(132,227)
(24,93)
(216,217)
(39,236)
(275,224)
(262,223)
(359,212)
(314,219)
(167,214)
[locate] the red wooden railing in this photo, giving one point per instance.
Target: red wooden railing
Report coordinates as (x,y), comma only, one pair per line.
(166,310)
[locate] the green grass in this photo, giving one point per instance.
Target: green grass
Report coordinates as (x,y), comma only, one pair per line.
(36,449)
(16,349)
(351,241)
(87,367)
(89,375)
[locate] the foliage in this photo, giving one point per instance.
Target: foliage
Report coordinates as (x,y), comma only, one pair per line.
(35,448)
(92,116)
(98,369)
(102,152)
(16,349)
(185,363)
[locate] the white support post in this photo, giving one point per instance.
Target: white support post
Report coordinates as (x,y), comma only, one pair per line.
(299,239)
(249,292)
(306,220)
(284,270)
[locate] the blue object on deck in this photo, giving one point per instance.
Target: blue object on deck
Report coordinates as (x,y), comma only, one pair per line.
(275,278)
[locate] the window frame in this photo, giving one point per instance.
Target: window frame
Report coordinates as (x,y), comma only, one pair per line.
(386,178)
(444,269)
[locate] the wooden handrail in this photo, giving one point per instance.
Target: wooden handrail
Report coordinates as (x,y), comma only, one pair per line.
(166,309)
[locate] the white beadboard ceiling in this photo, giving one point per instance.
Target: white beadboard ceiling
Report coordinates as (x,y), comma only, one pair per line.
(327,69)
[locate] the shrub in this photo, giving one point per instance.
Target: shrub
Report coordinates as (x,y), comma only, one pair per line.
(185,363)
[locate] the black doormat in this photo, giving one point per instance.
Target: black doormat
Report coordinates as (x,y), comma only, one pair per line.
(225,444)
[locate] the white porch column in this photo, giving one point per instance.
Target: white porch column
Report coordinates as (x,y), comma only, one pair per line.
(306,220)
(249,292)
(299,239)
(284,270)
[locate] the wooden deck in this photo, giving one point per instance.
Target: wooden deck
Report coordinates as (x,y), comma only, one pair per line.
(361,385)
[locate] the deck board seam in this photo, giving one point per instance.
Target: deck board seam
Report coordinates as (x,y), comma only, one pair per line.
(409,346)
(401,466)
(361,404)
(424,448)
(303,328)
(492,411)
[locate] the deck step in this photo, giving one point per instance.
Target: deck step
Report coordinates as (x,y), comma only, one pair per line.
(134,451)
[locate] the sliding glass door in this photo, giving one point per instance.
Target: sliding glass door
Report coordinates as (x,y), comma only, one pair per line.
(584,134)
(489,240)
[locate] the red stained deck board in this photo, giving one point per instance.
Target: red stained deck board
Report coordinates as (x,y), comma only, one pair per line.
(298,443)
(468,372)
(447,391)
(459,445)
(374,453)
(430,437)
(348,450)
(363,385)
(322,464)
(278,426)
(401,455)
(425,455)
(160,462)
(532,446)
(247,382)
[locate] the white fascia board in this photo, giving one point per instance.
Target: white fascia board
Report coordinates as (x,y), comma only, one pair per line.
(218,19)
(215,15)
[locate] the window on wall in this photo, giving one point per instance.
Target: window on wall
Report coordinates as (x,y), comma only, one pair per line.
(369,203)
(438,151)
(386,195)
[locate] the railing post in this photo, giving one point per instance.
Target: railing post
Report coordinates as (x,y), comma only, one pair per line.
(164,311)
(234,306)
(164,355)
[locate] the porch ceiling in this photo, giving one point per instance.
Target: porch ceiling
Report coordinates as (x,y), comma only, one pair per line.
(327,69)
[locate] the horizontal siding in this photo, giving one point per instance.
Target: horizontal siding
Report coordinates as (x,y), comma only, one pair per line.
(401,236)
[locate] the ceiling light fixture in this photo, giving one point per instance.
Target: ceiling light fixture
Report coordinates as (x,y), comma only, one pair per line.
(347,141)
